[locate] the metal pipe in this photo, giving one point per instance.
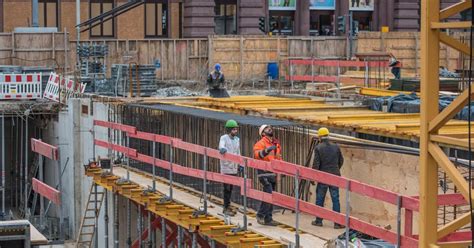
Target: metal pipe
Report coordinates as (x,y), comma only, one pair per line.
(78,21)
(171,171)
(116,220)
(60,188)
(128,158)
(129,224)
(297,209)
(348,212)
(194,244)
(106,217)
(153,166)
(140,225)
(149,241)
(180,237)
(22,199)
(399,221)
(3,166)
(163,232)
(96,211)
(40,177)
(26,164)
(245,193)
(34,19)
(93,142)
(205,180)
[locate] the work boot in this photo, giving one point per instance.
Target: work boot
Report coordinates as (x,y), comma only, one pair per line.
(317,223)
(271,223)
(260,220)
(338,226)
(228,212)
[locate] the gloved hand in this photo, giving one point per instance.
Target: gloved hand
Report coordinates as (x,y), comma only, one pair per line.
(269,149)
(222,151)
(240,169)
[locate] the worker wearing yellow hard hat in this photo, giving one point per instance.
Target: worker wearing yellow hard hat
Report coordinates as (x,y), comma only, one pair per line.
(327,158)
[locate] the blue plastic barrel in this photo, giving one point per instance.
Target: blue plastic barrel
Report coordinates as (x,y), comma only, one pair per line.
(272,70)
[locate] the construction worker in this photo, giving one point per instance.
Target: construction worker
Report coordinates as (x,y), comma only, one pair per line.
(216,78)
(327,158)
(229,143)
(267,149)
(215,82)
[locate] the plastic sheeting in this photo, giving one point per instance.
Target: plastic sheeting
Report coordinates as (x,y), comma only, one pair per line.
(410,103)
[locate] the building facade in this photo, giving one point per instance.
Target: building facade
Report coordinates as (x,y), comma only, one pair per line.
(200,18)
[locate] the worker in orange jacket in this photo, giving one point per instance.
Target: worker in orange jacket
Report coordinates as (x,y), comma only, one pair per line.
(266,149)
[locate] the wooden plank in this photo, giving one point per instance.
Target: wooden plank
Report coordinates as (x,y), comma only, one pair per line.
(44,149)
(46,191)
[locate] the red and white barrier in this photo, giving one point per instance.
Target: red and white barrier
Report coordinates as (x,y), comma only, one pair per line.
(20,86)
(60,89)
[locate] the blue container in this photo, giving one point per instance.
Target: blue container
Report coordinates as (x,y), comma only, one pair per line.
(272,70)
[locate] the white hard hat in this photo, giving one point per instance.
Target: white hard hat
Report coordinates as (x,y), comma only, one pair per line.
(262,127)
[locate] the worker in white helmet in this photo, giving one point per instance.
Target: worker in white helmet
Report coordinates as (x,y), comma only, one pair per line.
(266,149)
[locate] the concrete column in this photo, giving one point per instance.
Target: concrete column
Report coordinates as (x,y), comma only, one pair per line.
(248,14)
(198,18)
(302,18)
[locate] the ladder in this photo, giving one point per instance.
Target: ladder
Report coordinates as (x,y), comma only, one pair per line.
(87,229)
(28,187)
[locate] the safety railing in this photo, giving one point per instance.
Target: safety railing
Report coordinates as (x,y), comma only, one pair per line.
(338,79)
(409,204)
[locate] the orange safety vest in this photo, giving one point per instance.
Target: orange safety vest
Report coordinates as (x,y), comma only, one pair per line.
(262,144)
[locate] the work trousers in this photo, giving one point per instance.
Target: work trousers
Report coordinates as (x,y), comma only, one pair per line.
(266,209)
(321,190)
(228,192)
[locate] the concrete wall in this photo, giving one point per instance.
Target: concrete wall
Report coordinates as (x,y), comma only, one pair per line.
(72,134)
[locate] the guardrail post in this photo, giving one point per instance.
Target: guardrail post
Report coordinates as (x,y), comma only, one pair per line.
(291,73)
(297,209)
(366,74)
(245,193)
(399,220)
(348,211)
(154,164)
(128,156)
(96,215)
(171,173)
(204,189)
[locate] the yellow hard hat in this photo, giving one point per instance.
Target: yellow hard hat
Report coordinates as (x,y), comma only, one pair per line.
(323,132)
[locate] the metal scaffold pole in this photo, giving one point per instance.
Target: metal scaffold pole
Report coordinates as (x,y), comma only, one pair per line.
(26,163)
(106,217)
(3,166)
(116,220)
(129,223)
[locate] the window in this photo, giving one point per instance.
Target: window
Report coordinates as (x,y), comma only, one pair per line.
(321,22)
(282,22)
(104,29)
(156,18)
(226,18)
(48,13)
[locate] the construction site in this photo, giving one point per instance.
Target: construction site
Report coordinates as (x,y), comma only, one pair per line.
(188,136)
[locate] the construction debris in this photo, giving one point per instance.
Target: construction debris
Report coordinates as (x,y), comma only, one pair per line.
(175,91)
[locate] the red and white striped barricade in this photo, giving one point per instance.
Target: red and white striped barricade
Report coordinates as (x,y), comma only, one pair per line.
(20,86)
(60,89)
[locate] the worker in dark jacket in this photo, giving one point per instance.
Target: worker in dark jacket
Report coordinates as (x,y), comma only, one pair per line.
(327,158)
(216,79)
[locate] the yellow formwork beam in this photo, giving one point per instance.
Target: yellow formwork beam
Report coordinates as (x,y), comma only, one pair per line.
(180,214)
